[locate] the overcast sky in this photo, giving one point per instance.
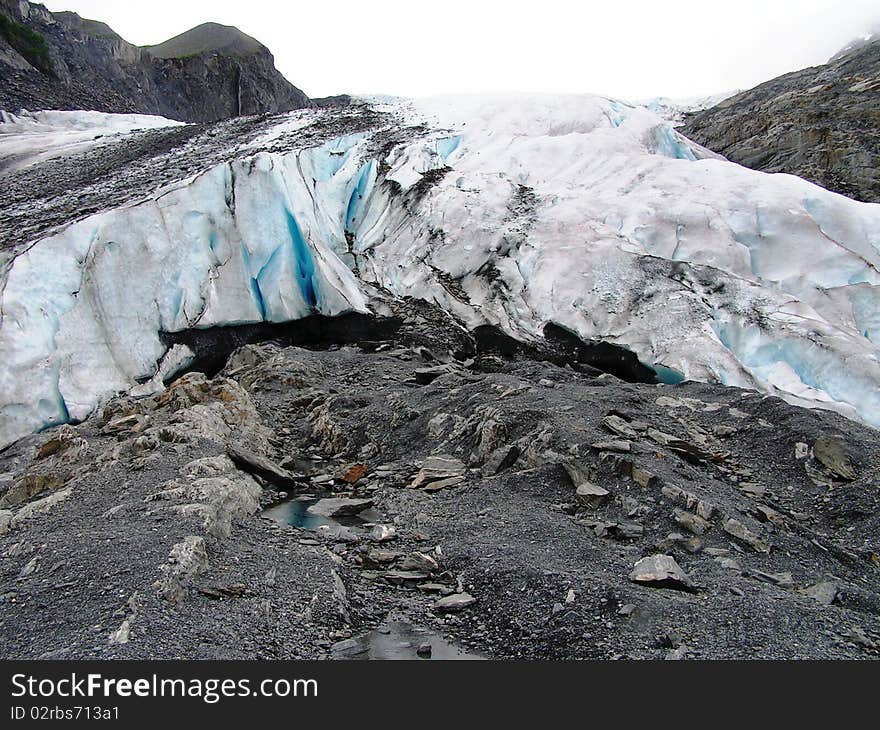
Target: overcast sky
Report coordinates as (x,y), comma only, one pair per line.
(631,49)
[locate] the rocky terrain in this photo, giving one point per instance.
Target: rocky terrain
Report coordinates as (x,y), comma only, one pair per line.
(818,123)
(468,497)
(62,61)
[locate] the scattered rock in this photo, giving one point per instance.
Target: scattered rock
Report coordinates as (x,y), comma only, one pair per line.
(831,452)
(218,500)
(824,592)
(738,530)
(424,651)
(502,458)
(618,426)
(643,477)
(857,635)
(383,557)
(39,506)
(679,653)
(783,580)
(383,533)
(617,446)
(437,468)
(424,376)
(688,451)
(443,484)
(29,568)
(264,468)
(133,423)
(626,530)
(587,493)
(455,602)
(752,489)
(339,506)
(30,485)
(187,559)
(65,440)
(354,473)
(722,430)
(691,522)
(768,514)
(661,571)
(400,577)
(435,588)
(691,544)
(122,634)
(419,561)
(591,495)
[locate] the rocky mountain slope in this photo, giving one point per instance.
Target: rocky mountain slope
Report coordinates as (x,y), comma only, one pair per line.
(61,61)
(819,123)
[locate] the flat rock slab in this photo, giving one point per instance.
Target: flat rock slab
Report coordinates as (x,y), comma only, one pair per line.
(783,580)
(252,463)
(424,376)
(620,446)
(436,468)
(339,506)
(619,427)
(661,571)
(443,484)
(455,602)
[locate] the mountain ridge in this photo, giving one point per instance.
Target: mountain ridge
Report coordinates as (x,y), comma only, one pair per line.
(207,38)
(89,66)
(819,123)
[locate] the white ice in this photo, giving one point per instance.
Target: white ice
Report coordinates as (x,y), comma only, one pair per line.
(587,212)
(27,138)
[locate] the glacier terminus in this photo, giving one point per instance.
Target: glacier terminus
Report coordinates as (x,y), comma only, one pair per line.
(517,211)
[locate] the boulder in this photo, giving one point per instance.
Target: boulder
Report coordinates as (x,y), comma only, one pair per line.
(339,507)
(187,559)
(264,468)
(661,571)
(437,468)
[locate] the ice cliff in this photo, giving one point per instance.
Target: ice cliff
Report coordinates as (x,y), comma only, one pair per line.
(518,211)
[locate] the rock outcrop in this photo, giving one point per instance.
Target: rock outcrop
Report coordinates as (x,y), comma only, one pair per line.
(62,61)
(820,123)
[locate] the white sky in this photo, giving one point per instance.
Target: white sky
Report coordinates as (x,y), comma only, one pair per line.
(630,49)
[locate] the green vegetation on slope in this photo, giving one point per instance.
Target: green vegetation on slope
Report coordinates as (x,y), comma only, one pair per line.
(30,44)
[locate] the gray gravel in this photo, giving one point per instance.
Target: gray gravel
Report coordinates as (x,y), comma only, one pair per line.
(550,578)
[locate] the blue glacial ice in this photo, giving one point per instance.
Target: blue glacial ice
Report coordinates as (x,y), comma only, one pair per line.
(787,362)
(620,241)
(671,144)
(83,309)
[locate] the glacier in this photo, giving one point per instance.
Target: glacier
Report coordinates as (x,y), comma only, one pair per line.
(514,210)
(28,138)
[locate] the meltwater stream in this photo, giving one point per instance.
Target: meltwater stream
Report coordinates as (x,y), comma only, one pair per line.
(295,512)
(397,638)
